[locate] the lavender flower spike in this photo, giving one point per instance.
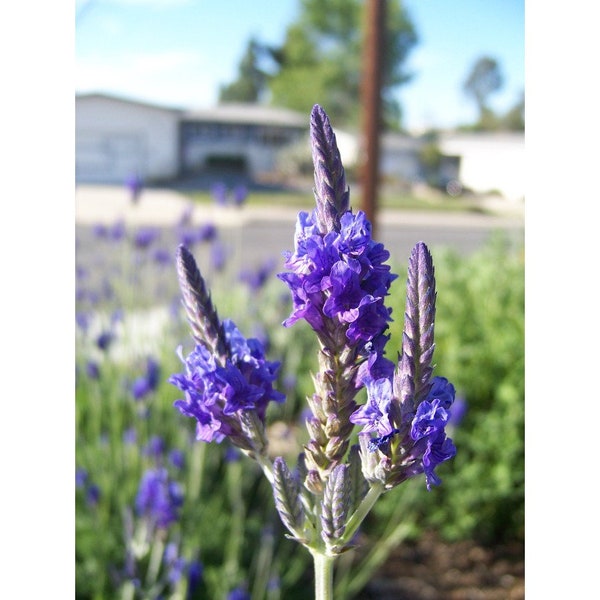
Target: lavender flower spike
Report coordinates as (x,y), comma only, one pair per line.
(202,316)
(412,377)
(409,414)
(334,508)
(338,279)
(227,382)
(286,492)
(331,193)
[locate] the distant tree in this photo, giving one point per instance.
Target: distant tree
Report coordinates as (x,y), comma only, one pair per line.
(321,60)
(251,82)
(484,79)
(514,119)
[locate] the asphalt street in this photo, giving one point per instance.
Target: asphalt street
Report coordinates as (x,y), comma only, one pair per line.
(259,233)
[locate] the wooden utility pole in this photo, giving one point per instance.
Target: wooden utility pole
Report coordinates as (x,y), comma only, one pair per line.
(371,106)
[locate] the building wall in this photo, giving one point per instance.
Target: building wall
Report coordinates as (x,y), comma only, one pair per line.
(115,138)
(489,162)
(256,146)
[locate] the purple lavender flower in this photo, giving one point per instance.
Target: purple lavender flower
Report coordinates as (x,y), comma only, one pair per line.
(238,594)
(207,232)
(203,233)
(240,194)
(232,454)
(146,236)
(92,369)
(159,498)
(147,383)
(100,230)
(218,256)
(162,257)
(155,447)
(175,564)
(408,411)
(185,218)
(104,340)
(117,316)
(82,320)
(215,394)
(135,185)
(257,278)
(116,231)
(195,573)
(81,477)
(219,193)
(177,458)
(422,443)
(339,277)
(93,494)
(458,412)
(153,373)
(374,415)
(140,388)
(130,436)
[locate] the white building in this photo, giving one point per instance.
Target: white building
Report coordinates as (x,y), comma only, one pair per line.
(489,162)
(116,138)
(245,137)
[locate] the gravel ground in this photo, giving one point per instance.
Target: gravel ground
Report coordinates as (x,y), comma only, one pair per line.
(435,570)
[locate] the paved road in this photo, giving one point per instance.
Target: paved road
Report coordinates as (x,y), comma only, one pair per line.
(258,233)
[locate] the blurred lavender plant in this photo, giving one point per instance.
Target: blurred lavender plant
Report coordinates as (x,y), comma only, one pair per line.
(338,278)
(153,564)
(134,185)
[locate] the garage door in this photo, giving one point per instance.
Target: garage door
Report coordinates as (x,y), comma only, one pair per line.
(109,158)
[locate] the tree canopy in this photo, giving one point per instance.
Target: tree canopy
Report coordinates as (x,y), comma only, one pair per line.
(321,61)
(484,79)
(251,81)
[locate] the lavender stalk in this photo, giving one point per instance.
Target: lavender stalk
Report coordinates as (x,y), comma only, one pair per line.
(338,279)
(227,380)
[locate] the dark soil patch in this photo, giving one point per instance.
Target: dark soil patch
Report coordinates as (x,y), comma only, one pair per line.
(432,569)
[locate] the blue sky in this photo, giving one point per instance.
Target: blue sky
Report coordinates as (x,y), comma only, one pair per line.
(178,52)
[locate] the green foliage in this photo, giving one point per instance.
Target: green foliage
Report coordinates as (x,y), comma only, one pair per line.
(480,349)
(321,58)
(430,157)
(251,81)
(484,79)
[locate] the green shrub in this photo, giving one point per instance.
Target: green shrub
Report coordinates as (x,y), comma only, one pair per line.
(480,348)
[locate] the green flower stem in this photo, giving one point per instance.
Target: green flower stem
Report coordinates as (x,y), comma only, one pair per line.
(361,512)
(323,575)
(237,518)
(158,548)
(266,465)
(197,471)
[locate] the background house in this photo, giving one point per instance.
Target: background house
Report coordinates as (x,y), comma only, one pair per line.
(489,162)
(116,138)
(245,138)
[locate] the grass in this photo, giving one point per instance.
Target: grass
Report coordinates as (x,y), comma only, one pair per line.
(389,199)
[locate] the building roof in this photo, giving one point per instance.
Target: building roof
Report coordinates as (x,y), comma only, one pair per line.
(130,101)
(255,114)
